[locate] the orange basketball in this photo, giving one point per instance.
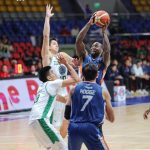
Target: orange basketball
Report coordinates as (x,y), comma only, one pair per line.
(101,18)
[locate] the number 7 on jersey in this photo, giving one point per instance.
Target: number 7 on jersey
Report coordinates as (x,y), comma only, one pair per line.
(88,98)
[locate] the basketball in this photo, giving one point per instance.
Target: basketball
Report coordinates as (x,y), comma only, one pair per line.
(101,18)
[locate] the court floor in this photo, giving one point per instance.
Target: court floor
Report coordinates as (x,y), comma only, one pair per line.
(129,131)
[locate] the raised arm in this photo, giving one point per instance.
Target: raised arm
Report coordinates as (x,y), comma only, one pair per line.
(106,48)
(80,47)
(46,33)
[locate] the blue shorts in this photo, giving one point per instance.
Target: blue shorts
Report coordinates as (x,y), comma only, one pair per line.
(87,133)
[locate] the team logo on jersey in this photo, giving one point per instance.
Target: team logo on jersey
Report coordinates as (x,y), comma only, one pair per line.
(88,87)
(62,70)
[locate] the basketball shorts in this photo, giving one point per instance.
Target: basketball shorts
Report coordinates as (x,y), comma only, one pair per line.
(87,133)
(47,135)
(58,114)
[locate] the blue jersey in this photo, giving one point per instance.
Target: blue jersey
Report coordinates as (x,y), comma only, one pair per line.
(98,62)
(87,103)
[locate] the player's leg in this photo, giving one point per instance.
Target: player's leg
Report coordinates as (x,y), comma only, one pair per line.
(58,114)
(58,119)
(40,134)
(64,128)
(74,139)
(53,134)
(47,135)
(93,138)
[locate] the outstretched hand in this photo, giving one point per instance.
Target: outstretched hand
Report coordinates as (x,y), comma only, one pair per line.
(49,11)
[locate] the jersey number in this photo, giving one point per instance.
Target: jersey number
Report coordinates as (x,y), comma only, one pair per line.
(88,98)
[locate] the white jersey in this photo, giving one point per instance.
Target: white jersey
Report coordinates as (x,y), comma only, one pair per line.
(59,69)
(61,72)
(45,99)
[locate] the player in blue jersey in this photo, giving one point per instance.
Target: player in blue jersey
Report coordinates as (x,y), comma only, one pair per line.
(100,53)
(88,109)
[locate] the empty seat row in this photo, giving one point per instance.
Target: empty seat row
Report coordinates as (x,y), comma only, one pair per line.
(27,9)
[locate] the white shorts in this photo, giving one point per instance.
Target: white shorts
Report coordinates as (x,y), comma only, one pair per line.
(59,109)
(47,135)
(58,114)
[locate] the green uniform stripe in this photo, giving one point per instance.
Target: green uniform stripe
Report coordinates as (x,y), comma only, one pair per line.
(50,133)
(51,118)
(48,106)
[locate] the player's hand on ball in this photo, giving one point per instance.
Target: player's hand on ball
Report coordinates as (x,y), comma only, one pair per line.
(49,11)
(104,28)
(91,21)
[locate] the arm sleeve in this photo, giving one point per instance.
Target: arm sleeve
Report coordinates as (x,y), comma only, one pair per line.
(53,86)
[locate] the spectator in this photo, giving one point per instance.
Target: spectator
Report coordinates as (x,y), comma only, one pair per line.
(114,75)
(4,73)
(141,78)
(5,48)
(75,31)
(12,70)
(33,70)
(129,78)
(145,67)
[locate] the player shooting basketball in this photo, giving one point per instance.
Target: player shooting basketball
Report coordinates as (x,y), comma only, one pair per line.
(100,53)
(100,56)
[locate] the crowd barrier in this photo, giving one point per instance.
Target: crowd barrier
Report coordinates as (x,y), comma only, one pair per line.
(19,94)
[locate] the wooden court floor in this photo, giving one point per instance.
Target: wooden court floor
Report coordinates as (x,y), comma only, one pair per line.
(129,131)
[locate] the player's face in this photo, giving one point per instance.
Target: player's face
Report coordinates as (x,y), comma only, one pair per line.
(96,49)
(128,63)
(54,46)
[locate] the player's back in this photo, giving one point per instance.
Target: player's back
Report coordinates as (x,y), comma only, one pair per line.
(87,103)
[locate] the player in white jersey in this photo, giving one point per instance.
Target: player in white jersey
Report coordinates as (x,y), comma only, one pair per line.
(61,72)
(42,111)
(50,49)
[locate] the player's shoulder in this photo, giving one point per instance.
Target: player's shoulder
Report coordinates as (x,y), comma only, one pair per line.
(57,81)
(78,85)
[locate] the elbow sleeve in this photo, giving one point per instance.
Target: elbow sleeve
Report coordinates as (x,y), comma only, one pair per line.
(67,112)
